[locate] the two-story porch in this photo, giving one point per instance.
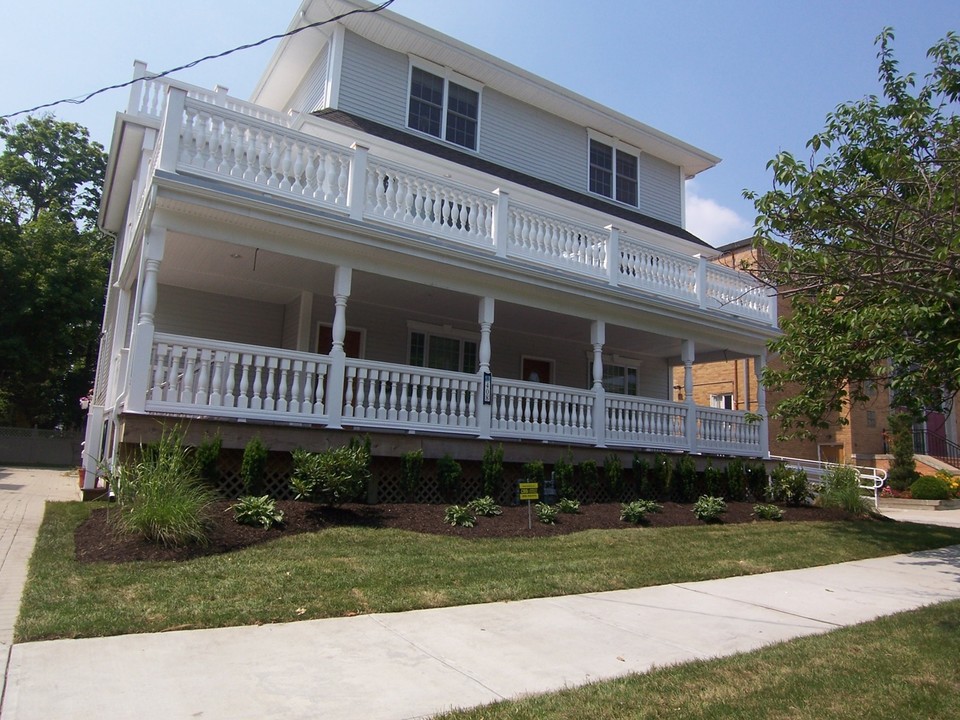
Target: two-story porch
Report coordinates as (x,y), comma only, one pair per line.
(289,269)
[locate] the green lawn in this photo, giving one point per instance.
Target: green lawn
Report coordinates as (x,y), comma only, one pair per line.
(346,571)
(903,667)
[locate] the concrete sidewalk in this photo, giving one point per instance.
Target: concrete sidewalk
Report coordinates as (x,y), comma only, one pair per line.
(414,664)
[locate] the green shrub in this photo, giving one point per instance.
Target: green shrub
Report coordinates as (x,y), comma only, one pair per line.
(685,479)
(789,485)
(613,473)
(160,496)
(757,483)
(568,506)
(334,476)
(635,512)
(547,514)
(253,510)
(709,509)
(491,470)
(713,481)
(768,512)
(903,467)
(459,516)
(485,506)
(208,459)
(641,469)
(736,481)
(930,487)
(411,473)
(661,475)
(589,478)
(253,469)
(449,477)
(841,489)
(563,477)
(534,472)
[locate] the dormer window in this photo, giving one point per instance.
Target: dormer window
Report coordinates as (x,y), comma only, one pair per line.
(613,172)
(444,108)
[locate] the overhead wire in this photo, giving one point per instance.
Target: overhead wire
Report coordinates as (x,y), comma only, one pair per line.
(194,63)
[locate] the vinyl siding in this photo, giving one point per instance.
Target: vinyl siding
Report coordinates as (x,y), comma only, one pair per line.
(373,82)
(659,189)
(218,317)
(310,96)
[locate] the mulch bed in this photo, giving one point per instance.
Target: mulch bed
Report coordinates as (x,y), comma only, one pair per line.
(96,539)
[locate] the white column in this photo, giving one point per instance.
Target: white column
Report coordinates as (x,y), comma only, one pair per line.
(141,347)
(501,222)
(613,255)
(170,135)
(342,281)
(701,280)
(305,323)
(485,410)
(357,185)
(687,354)
(598,336)
(759,363)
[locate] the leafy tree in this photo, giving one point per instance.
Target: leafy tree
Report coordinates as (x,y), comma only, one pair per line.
(53,270)
(864,239)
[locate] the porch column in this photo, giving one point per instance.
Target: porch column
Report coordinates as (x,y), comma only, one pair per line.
(485,406)
(342,280)
(141,349)
(687,354)
(305,322)
(598,336)
(759,363)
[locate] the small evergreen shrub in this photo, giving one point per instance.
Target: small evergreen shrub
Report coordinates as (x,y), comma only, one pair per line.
(789,485)
(768,512)
(736,481)
(661,478)
(589,479)
(208,459)
(491,470)
(253,468)
(253,510)
(547,514)
(841,489)
(709,509)
(563,477)
(903,468)
(484,506)
(757,482)
(411,473)
(685,479)
(641,469)
(459,516)
(613,474)
(930,487)
(568,506)
(332,477)
(534,472)
(635,512)
(713,481)
(449,476)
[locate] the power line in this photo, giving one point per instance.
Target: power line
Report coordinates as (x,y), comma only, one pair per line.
(80,101)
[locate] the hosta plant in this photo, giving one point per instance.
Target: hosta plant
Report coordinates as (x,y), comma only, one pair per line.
(709,509)
(484,506)
(459,516)
(568,505)
(635,512)
(767,512)
(257,510)
(547,514)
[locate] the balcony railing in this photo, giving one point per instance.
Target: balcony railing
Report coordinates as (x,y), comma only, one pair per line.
(206,378)
(211,135)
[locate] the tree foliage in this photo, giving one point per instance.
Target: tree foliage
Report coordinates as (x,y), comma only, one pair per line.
(864,240)
(53,270)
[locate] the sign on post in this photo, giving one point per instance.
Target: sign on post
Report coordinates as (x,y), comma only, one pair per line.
(528,492)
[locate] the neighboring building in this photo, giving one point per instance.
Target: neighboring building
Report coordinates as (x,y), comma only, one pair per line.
(402,235)
(863,440)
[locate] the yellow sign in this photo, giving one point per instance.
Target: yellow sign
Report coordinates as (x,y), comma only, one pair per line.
(528,491)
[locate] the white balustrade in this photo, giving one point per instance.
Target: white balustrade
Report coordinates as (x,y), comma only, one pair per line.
(556,242)
(727,431)
(656,270)
(430,204)
(191,375)
(534,410)
(402,396)
(734,292)
(645,422)
(221,143)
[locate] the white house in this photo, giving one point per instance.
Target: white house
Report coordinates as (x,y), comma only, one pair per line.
(403,235)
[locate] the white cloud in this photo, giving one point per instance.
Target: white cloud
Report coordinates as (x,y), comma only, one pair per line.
(713,223)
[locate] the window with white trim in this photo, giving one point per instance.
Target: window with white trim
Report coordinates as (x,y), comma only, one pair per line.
(443,351)
(444,108)
(722,401)
(620,379)
(613,172)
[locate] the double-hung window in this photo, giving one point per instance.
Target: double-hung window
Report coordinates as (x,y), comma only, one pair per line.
(442,107)
(613,172)
(620,379)
(448,351)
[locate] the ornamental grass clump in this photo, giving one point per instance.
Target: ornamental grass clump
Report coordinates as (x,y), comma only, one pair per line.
(160,495)
(841,489)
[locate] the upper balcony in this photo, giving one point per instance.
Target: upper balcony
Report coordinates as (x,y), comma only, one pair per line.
(208,134)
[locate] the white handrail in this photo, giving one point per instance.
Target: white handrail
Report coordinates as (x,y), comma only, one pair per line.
(871,478)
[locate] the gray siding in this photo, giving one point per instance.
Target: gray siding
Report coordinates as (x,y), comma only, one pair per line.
(199,314)
(310,96)
(659,189)
(373,81)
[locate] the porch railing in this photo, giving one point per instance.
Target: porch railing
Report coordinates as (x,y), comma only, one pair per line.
(212,135)
(207,378)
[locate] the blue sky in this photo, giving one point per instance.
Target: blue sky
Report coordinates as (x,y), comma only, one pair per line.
(742,79)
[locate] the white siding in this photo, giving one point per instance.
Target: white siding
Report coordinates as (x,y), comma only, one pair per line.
(291,323)
(660,189)
(373,82)
(310,96)
(199,314)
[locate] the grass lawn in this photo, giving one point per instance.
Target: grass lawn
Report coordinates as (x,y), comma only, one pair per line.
(903,666)
(351,570)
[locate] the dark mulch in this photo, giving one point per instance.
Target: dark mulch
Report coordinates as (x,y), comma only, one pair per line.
(97,541)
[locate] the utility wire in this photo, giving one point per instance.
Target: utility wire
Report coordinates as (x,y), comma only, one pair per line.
(80,101)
